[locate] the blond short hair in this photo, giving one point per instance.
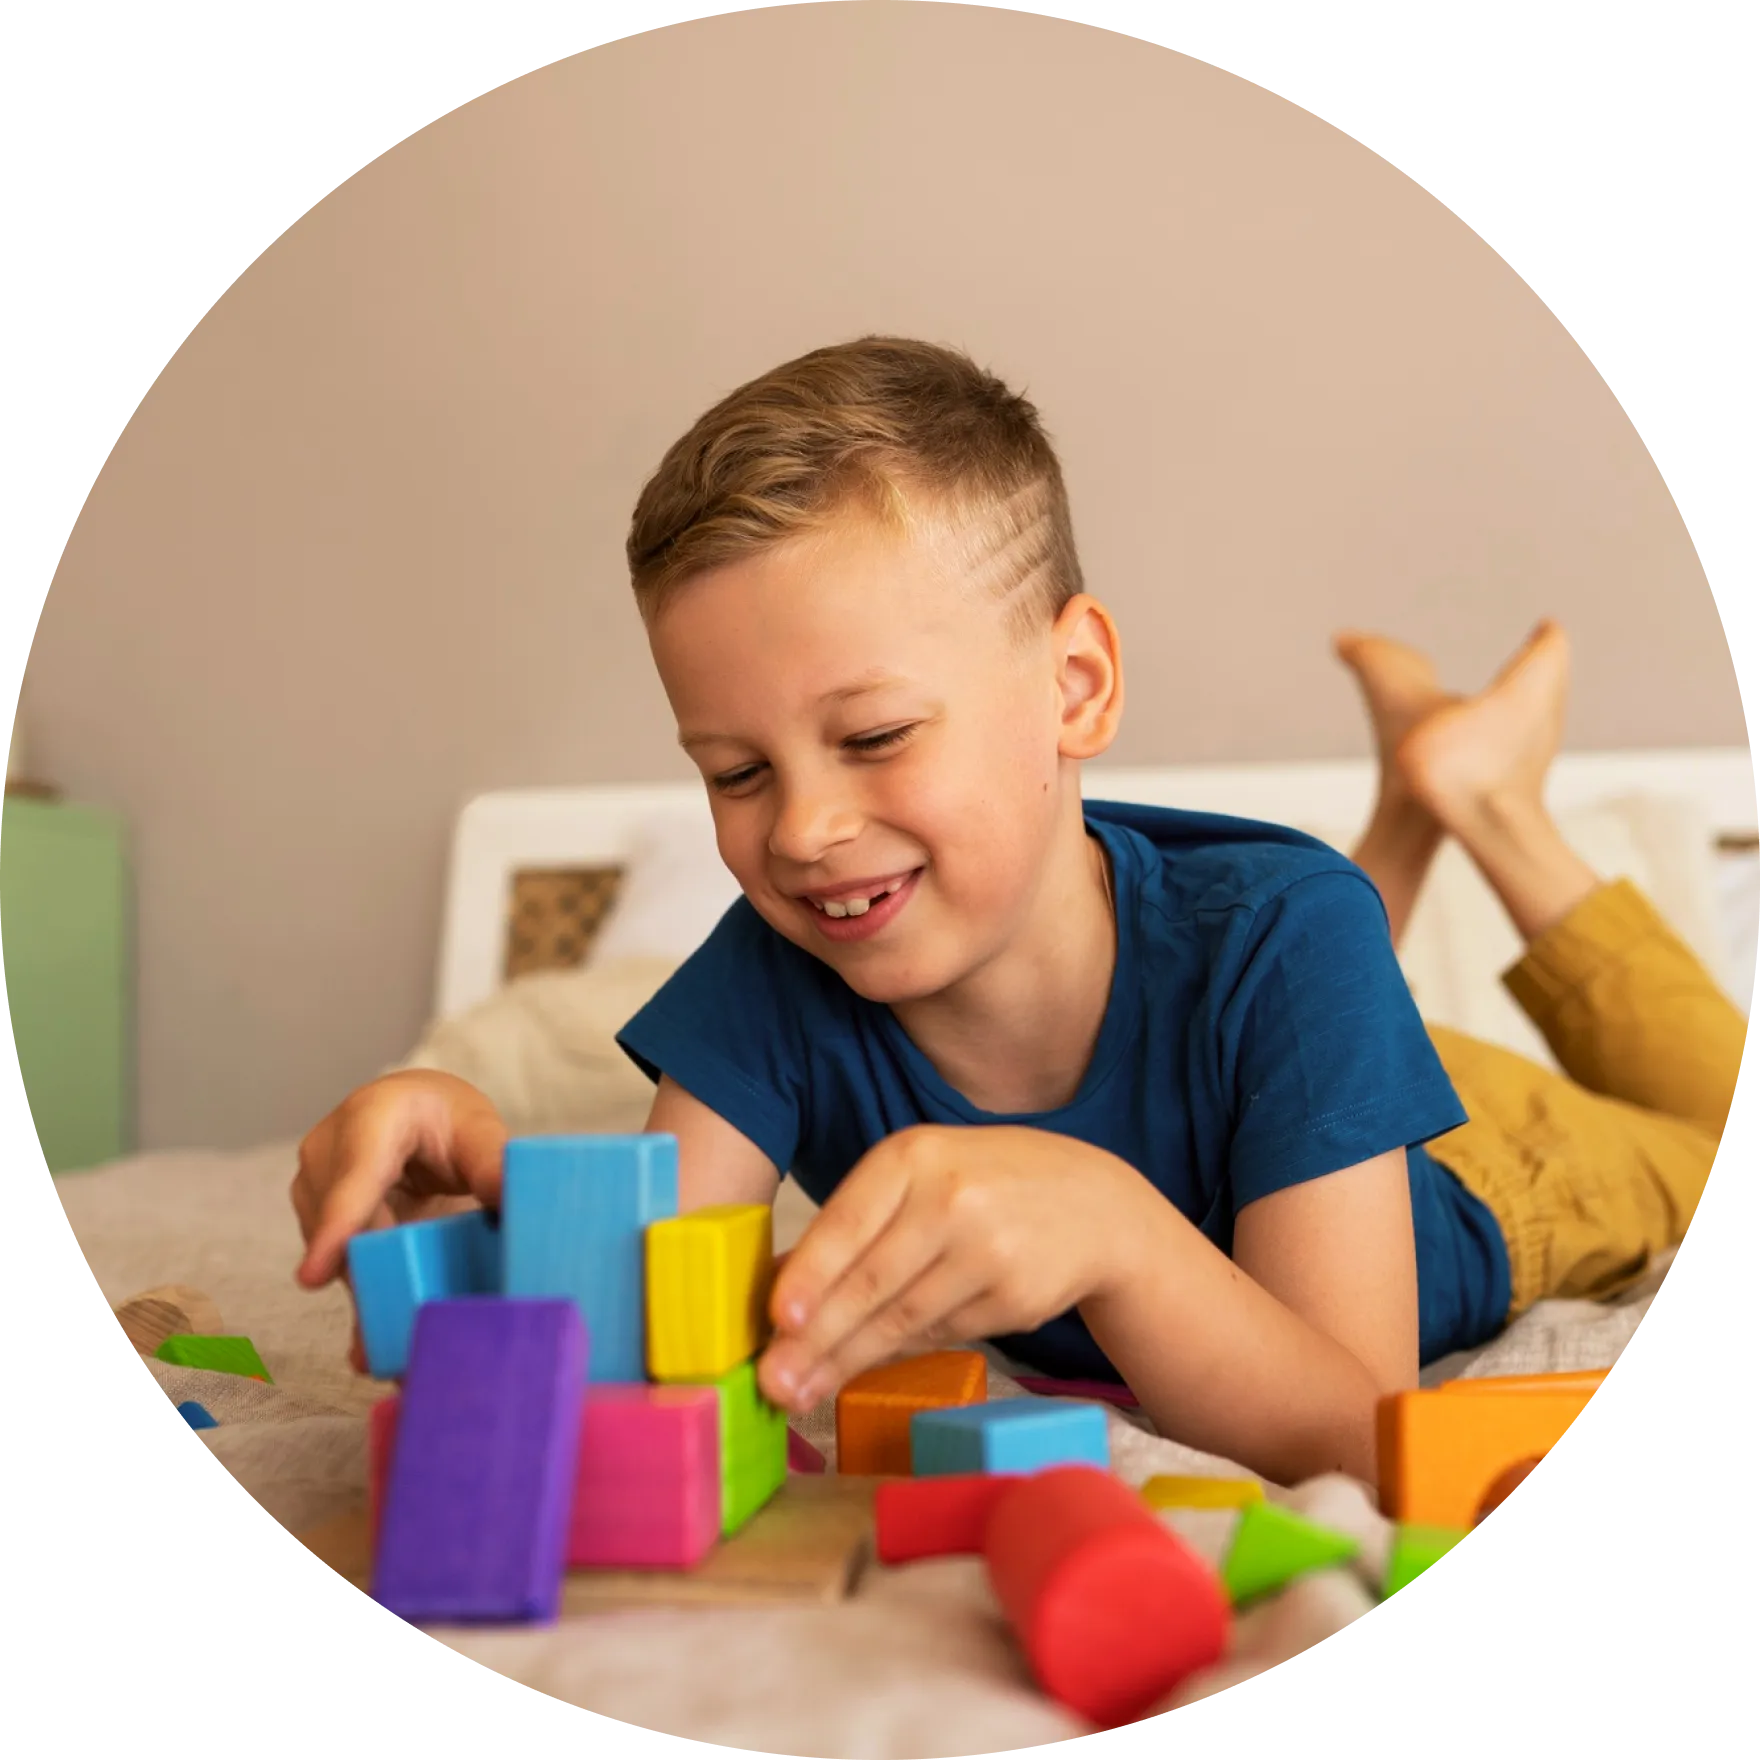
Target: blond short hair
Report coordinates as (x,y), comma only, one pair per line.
(913,434)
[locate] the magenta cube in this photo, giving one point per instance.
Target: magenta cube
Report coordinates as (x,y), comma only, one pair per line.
(648,1480)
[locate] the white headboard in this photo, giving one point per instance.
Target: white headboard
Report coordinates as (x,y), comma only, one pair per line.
(500,834)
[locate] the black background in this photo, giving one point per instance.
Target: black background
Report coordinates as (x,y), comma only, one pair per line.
(152,166)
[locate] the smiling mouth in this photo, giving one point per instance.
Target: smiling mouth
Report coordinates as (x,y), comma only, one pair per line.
(858,906)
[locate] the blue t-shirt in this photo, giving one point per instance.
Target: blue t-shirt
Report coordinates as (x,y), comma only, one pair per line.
(1258,1033)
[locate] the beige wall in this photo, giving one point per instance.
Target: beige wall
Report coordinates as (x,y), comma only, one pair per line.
(358,555)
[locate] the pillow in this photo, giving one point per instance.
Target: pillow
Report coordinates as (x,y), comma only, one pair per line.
(543,1048)
(1459,941)
(675,890)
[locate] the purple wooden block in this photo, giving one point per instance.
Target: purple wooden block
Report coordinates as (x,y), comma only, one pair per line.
(476,1514)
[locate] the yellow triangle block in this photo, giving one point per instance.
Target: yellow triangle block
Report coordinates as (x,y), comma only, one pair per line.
(1174,1491)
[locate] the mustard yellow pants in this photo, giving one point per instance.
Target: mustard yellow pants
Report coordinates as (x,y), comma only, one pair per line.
(1591,1172)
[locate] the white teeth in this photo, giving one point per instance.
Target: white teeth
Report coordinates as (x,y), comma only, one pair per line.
(855,907)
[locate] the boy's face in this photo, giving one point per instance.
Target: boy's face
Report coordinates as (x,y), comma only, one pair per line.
(881,750)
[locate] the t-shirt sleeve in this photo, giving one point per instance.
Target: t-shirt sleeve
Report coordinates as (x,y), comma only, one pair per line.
(727,1028)
(1325,1055)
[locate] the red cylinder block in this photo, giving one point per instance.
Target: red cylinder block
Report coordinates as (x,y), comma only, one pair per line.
(1112,1609)
(934,1517)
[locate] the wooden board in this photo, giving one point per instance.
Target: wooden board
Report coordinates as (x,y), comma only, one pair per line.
(810,1543)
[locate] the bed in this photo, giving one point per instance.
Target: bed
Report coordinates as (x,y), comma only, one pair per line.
(565,909)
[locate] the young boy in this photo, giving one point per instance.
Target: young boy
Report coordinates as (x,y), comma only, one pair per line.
(1135,1093)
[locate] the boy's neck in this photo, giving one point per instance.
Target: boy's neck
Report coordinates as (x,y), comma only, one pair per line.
(1017,1035)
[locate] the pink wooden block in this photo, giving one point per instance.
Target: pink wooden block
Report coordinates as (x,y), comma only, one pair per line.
(1113,1393)
(648,1487)
(381,1433)
(803,1457)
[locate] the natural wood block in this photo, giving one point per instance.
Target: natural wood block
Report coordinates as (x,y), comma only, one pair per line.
(158,1314)
(810,1543)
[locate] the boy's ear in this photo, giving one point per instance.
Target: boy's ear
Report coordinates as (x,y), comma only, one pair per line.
(1090,676)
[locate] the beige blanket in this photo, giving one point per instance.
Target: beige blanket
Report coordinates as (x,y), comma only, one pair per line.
(917,1662)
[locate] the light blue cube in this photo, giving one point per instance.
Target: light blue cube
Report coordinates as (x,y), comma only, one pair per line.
(1009,1436)
(393,1271)
(574,1219)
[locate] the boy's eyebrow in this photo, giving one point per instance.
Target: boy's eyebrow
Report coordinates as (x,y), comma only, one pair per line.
(859,687)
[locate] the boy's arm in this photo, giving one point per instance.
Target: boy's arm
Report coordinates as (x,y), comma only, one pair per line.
(716,1164)
(1277,1357)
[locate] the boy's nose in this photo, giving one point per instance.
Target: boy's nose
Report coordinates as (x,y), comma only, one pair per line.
(810,822)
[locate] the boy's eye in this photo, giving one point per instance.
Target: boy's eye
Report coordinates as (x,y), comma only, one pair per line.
(878,742)
(733,778)
(729,780)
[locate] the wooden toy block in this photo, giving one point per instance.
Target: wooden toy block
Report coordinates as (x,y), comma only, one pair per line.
(1009,1436)
(875,1408)
(1503,1485)
(1415,1548)
(381,1438)
(803,1457)
(393,1271)
(1112,1609)
(1558,1381)
(1112,1393)
(227,1356)
(754,1446)
(808,1545)
(648,1487)
(155,1314)
(574,1213)
(1444,1453)
(936,1517)
(708,1282)
(1174,1491)
(1273,1545)
(475,1524)
(197,1415)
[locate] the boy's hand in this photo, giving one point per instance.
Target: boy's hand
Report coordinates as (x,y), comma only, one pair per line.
(941,1234)
(412,1144)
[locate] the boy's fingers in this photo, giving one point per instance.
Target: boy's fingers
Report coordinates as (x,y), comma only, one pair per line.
(871,1283)
(368,1155)
(853,1218)
(933,1306)
(479,1139)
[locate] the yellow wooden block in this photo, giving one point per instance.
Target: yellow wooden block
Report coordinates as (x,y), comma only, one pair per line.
(1175,1491)
(708,1284)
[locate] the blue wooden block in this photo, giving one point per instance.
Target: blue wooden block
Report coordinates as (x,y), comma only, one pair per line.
(477,1504)
(1009,1436)
(393,1271)
(197,1415)
(574,1216)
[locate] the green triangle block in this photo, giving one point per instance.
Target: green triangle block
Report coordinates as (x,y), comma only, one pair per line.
(1415,1549)
(1272,1545)
(230,1356)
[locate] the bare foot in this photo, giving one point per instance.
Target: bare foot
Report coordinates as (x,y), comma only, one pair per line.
(1399,687)
(1490,752)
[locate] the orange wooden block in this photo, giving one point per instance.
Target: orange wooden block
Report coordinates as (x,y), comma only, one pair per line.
(1565,1381)
(874,1410)
(1446,1453)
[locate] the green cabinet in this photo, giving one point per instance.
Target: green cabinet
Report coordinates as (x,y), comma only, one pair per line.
(64,912)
